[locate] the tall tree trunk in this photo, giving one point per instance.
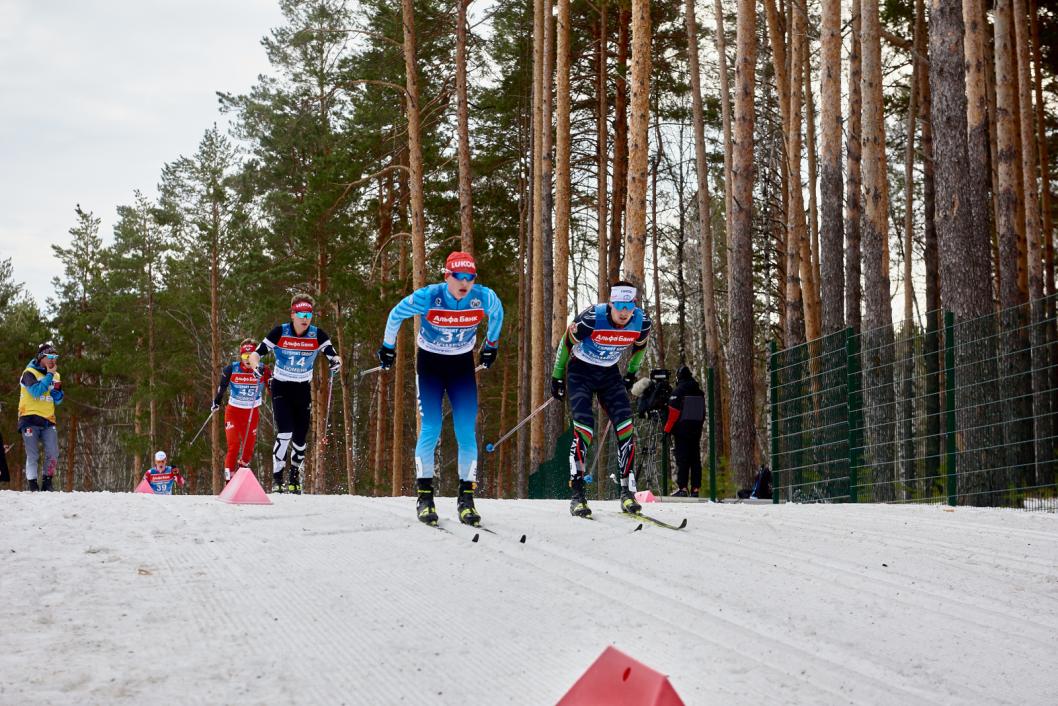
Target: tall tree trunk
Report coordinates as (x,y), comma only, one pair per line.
(215,362)
(976,113)
(931,259)
(1007,229)
(400,469)
(385,233)
(415,171)
(877,343)
(466,213)
(725,109)
(832,231)
(794,329)
(415,168)
(854,187)
(137,430)
(549,201)
(71,453)
(601,151)
(907,390)
(964,256)
(813,170)
(538,356)
(1016,360)
(525,268)
(740,254)
(655,162)
(503,473)
(618,216)
(1041,413)
(560,310)
(1045,162)
(705,226)
(348,403)
(638,146)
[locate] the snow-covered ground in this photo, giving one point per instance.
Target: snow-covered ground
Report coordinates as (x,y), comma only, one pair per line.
(110,598)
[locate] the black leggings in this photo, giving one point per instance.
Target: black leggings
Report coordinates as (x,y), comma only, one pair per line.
(292,406)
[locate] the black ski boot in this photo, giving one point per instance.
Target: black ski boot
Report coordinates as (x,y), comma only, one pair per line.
(277,482)
(578,504)
(32,485)
(628,501)
(294,486)
(468,515)
(46,483)
(424,506)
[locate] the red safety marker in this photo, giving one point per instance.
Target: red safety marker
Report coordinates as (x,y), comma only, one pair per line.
(615,679)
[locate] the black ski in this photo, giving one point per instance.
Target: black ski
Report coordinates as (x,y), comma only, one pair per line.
(521,540)
(592,518)
(448,531)
(654,520)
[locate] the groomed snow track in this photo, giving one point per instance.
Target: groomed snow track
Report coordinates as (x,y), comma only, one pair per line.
(121,598)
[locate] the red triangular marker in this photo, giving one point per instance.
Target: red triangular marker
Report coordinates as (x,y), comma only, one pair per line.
(243,489)
(615,679)
(144,487)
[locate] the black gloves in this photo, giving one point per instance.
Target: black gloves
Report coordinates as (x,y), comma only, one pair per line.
(488,356)
(558,388)
(387,356)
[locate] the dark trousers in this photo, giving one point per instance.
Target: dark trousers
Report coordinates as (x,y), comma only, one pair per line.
(583,382)
(687,450)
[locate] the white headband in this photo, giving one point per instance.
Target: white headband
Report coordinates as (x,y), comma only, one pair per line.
(622,293)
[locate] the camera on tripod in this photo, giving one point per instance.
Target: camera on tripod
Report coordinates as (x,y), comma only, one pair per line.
(654,396)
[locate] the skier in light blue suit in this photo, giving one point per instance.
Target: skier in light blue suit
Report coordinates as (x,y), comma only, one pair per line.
(450,312)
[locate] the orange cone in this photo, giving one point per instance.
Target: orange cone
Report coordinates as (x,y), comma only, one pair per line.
(243,489)
(144,487)
(615,679)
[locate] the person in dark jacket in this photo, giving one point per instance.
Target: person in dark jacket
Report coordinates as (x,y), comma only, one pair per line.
(685,422)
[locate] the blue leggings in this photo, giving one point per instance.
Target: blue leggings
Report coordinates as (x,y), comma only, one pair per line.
(436,374)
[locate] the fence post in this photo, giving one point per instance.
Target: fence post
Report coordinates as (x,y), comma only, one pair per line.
(773,398)
(711,391)
(666,470)
(949,404)
(854,410)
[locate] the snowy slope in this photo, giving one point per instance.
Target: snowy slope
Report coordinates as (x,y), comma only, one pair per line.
(113,598)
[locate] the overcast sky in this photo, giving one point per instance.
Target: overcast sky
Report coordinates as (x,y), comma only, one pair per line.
(96,95)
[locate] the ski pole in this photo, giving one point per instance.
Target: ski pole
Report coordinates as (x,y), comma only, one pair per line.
(249,424)
(327,415)
(599,447)
(365,373)
(492,447)
(202,428)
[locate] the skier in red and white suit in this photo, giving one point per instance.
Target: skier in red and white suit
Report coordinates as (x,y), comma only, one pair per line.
(242,414)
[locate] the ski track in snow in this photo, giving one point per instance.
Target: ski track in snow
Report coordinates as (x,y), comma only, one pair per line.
(123,598)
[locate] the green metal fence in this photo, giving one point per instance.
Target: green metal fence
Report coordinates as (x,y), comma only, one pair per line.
(963,412)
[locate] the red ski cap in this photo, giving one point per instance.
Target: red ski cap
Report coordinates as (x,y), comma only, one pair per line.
(460,262)
(247,348)
(301,307)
